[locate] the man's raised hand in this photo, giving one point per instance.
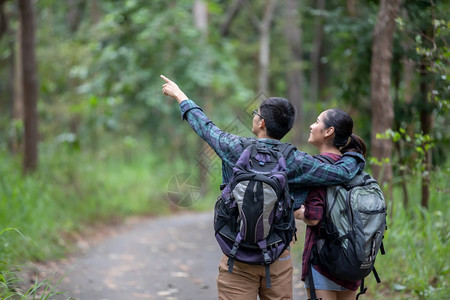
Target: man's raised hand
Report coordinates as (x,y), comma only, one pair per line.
(171,89)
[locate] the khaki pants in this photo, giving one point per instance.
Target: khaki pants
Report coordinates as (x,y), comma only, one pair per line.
(247,281)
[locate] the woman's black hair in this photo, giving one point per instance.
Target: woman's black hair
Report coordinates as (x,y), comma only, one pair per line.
(279,116)
(344,139)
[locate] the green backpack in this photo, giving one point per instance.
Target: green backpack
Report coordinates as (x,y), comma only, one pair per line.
(352,228)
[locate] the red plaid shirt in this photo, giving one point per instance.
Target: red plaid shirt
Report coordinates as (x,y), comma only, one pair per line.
(314,208)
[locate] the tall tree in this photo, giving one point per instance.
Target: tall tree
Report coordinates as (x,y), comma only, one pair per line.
(405,77)
(75,10)
(426,122)
(431,55)
(380,79)
(14,83)
(3,22)
(18,101)
(293,34)
(352,7)
(95,11)
(231,13)
(30,87)
(316,54)
(264,46)
(200,14)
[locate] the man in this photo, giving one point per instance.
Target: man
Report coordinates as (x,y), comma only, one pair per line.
(271,122)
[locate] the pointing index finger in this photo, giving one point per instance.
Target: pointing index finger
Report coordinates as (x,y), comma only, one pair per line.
(165,78)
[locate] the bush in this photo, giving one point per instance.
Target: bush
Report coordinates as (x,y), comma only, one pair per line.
(416,262)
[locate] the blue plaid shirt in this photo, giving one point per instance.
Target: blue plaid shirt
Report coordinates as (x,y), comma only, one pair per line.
(303,170)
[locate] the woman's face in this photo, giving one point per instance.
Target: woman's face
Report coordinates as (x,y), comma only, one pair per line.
(318,131)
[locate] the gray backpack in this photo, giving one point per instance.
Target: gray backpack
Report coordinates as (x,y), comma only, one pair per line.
(254,219)
(352,228)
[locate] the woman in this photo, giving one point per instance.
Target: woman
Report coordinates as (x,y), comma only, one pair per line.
(332,135)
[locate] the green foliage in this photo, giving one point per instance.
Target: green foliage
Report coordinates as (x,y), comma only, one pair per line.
(73,189)
(422,40)
(10,282)
(20,208)
(40,290)
(133,44)
(415,265)
(416,262)
(414,149)
(111,142)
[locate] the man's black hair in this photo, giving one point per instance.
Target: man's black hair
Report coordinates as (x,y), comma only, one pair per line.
(279,116)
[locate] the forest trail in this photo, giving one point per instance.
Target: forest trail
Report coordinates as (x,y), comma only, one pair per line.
(174,257)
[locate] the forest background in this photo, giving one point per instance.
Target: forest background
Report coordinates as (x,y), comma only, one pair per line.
(87,138)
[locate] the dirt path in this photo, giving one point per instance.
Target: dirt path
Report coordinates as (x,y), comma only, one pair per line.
(172,257)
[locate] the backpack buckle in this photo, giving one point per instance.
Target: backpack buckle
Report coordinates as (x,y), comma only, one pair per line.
(230,262)
(234,249)
(267,259)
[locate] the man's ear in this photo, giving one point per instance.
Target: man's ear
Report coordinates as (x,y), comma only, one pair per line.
(329,131)
(262,124)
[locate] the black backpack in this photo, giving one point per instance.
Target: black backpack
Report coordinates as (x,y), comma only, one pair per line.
(253,216)
(352,229)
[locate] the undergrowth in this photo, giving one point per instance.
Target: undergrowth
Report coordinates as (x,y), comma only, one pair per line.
(72,190)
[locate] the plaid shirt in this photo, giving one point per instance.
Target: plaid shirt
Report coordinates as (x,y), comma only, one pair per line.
(302,169)
(314,208)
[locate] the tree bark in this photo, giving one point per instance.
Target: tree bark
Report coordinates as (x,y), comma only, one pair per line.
(352,7)
(200,11)
(380,77)
(426,122)
(293,34)
(264,49)
(30,87)
(229,16)
(407,77)
(75,14)
(18,101)
(200,14)
(316,54)
(95,11)
(3,20)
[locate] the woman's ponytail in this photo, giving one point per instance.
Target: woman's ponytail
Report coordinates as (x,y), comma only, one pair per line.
(356,144)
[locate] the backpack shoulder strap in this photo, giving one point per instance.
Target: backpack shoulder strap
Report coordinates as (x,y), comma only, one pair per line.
(247,141)
(286,149)
(313,258)
(324,158)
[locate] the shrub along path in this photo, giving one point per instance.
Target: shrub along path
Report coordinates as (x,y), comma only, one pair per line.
(173,257)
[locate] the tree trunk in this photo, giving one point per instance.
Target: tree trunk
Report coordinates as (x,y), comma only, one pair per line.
(229,16)
(407,77)
(316,54)
(426,122)
(3,22)
(293,34)
(200,11)
(380,77)
(95,11)
(30,87)
(75,10)
(18,101)
(352,8)
(264,49)
(200,14)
